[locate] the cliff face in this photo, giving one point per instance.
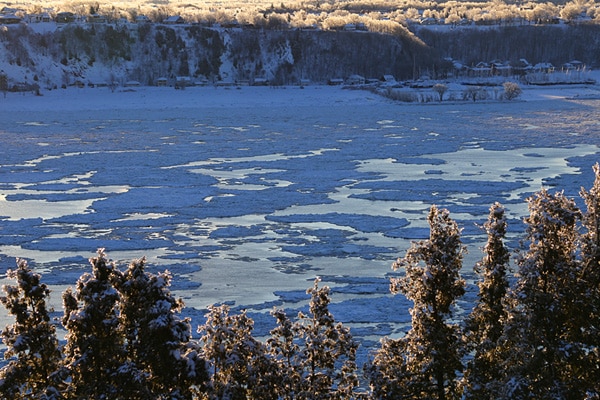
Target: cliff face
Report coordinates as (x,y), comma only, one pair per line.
(101,53)
(98,53)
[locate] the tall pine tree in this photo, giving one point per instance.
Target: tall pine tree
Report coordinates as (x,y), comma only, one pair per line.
(94,352)
(589,284)
(284,348)
(31,344)
(158,341)
(540,347)
(485,324)
(239,367)
(327,351)
(425,363)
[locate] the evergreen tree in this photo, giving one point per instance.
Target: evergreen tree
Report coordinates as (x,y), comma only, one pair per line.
(238,363)
(388,372)
(485,324)
(31,344)
(94,352)
(283,346)
(541,354)
(327,358)
(424,363)
(157,340)
(589,288)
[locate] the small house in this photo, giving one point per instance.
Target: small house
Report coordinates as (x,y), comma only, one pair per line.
(41,17)
(389,80)
(260,82)
(142,19)
(64,17)
(355,80)
(96,19)
(162,82)
(174,20)
(183,82)
(574,65)
(9,19)
(543,67)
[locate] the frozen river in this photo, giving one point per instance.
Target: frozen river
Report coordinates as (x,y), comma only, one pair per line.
(247,195)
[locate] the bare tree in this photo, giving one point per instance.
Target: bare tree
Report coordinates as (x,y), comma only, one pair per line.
(511,90)
(440,89)
(3,83)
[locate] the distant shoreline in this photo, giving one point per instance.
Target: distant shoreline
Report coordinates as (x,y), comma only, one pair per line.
(152,97)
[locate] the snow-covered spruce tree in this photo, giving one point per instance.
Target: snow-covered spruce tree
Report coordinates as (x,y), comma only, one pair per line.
(388,372)
(540,351)
(590,282)
(31,344)
(94,352)
(284,348)
(425,362)
(157,339)
(239,367)
(485,324)
(326,353)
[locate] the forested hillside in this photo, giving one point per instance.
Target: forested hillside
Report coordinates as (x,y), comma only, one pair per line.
(556,44)
(118,53)
(99,53)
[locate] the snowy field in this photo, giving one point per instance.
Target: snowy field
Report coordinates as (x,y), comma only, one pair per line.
(246,195)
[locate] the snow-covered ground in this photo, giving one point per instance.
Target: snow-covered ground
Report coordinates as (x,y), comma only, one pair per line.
(246,195)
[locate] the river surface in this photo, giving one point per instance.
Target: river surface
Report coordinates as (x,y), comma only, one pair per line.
(248,204)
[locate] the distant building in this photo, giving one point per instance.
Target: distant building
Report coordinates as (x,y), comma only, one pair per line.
(355,80)
(64,17)
(142,19)
(96,19)
(9,19)
(574,65)
(183,82)
(42,17)
(389,80)
(260,82)
(543,67)
(174,20)
(10,11)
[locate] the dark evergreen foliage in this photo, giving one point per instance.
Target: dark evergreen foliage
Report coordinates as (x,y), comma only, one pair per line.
(431,351)
(326,350)
(551,43)
(158,341)
(588,286)
(238,366)
(94,353)
(542,355)
(32,352)
(485,324)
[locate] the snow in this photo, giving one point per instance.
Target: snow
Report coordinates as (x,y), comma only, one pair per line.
(247,194)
